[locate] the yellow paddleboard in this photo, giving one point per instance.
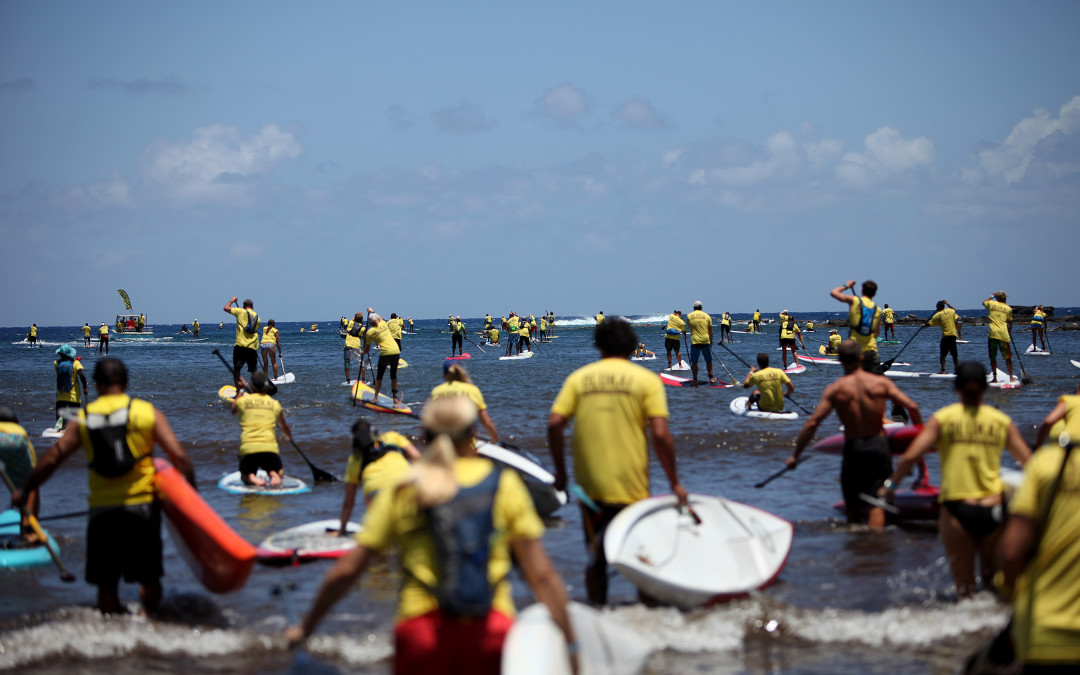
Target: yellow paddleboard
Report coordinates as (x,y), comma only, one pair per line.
(361,391)
(227,392)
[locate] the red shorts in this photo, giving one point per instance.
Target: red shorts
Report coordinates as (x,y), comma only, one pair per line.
(440,644)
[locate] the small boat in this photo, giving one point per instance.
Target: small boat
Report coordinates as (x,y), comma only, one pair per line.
(131,325)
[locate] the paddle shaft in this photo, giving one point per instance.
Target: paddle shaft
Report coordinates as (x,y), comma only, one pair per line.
(61,516)
(781,472)
(475,345)
(736,356)
(64,574)
(1024,377)
(788,397)
(888,364)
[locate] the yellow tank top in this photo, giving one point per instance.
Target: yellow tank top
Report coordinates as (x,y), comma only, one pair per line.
(970,446)
(863,318)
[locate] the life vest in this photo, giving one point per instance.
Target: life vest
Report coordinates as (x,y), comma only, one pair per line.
(252,327)
(65,375)
(108,436)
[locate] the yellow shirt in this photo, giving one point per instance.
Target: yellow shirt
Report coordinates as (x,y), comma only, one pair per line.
(599,319)
(70,395)
(888,315)
(757,316)
(394,519)
(543,324)
(725,319)
(458,327)
(770,382)
(258,423)
(33,331)
(946,319)
(1000,315)
(243,338)
(380,335)
(384,472)
(137,486)
(809,325)
(675,326)
(356,342)
(1055,569)
(611,401)
(1038,317)
(195,326)
(448,389)
(1072,417)
(788,329)
(512,324)
(104,330)
(865,335)
(700,322)
(834,342)
(86,331)
(270,335)
(970,447)
(524,330)
(395,328)
(493,335)
(17,452)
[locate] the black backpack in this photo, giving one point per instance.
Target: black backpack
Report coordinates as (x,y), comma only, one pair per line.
(108,437)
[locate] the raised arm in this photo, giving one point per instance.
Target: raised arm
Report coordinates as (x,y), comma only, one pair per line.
(838,293)
(229,304)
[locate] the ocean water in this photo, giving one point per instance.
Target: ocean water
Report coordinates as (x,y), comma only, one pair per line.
(848,601)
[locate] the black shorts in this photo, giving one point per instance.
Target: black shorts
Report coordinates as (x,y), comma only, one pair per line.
(124,541)
(948,346)
(267,461)
(525,342)
(977,521)
(244,356)
(672,344)
(385,361)
(867,463)
(787,342)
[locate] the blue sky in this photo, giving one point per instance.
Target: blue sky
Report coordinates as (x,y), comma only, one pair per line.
(435,158)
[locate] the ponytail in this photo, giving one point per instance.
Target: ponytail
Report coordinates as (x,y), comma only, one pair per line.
(433,474)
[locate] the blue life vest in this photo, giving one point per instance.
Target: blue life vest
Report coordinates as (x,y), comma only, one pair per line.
(866,319)
(252,326)
(65,375)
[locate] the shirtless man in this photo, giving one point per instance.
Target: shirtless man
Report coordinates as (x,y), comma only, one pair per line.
(859,399)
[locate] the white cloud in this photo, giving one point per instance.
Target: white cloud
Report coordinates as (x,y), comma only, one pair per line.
(218,164)
(638,113)
(782,159)
(823,151)
(886,153)
(562,106)
(464,118)
(1011,159)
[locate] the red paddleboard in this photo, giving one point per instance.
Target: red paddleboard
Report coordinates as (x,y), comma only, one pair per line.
(899,439)
(463,357)
(219,557)
(919,502)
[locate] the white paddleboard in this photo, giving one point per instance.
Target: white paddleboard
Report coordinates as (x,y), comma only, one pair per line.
(287,378)
(231,482)
(943,376)
(738,406)
(309,541)
(900,373)
(685,365)
(538,480)
(518,357)
(1075,362)
(52,432)
(1003,381)
(795,369)
(1032,350)
(536,646)
(643,358)
(736,549)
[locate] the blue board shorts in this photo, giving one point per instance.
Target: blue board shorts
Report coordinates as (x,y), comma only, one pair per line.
(700,350)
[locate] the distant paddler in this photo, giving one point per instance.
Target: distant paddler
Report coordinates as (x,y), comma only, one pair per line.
(789,331)
(725,326)
(353,332)
(1038,327)
(412,326)
(493,336)
(864,320)
(389,354)
(946,319)
(770,383)
(195,328)
(888,320)
(457,337)
(859,398)
(642,353)
(103,339)
(260,415)
(1000,332)
(86,330)
(123,533)
(377,461)
(756,321)
(395,324)
(69,373)
(834,342)
(676,330)
(458,383)
(270,346)
(600,318)
(809,326)
(701,337)
(246,346)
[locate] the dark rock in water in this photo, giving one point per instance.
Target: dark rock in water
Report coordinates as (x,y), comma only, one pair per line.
(1068,326)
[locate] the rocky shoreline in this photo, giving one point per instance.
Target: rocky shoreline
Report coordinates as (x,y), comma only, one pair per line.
(1021,318)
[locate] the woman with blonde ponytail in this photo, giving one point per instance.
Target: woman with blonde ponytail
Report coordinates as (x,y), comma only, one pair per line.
(455,520)
(458,383)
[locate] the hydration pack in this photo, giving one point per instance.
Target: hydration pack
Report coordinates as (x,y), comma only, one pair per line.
(108,436)
(356,328)
(462,529)
(252,327)
(65,375)
(866,320)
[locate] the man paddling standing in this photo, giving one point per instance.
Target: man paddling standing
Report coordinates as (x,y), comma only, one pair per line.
(389,354)
(457,337)
(864,320)
(353,332)
(1000,332)
(246,346)
(859,399)
(612,401)
(701,336)
(888,319)
(676,329)
(946,319)
(103,340)
(123,534)
(725,326)
(86,334)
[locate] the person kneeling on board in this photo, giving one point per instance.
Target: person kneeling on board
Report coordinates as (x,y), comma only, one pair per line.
(260,414)
(859,398)
(834,342)
(455,519)
(968,436)
(17,455)
(123,535)
(769,396)
(377,461)
(612,401)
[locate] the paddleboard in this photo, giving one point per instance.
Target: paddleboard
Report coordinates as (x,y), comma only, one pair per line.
(311,541)
(736,549)
(643,358)
(899,437)
(943,376)
(536,646)
(821,350)
(463,357)
(219,557)
(231,482)
(52,432)
(738,406)
(963,342)
(227,393)
(363,392)
(1032,350)
(901,373)
(818,359)
(522,355)
(1075,363)
(400,409)
(287,378)
(539,481)
(676,381)
(795,369)
(685,365)
(888,342)
(1003,381)
(14,552)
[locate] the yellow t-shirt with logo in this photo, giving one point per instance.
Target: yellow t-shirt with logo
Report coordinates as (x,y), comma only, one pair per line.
(269,335)
(258,423)
(86,331)
(243,338)
(611,401)
(970,446)
(676,324)
(395,519)
(1000,315)
(770,382)
(524,330)
(395,328)
(450,389)
(725,319)
(788,329)
(512,324)
(137,486)
(104,330)
(599,319)
(700,322)
(888,315)
(384,472)
(493,335)
(380,335)
(867,342)
(70,395)
(358,328)
(946,320)
(1055,569)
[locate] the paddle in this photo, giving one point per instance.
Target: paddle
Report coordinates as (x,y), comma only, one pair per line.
(475,345)
(888,364)
(797,404)
(281,360)
(318,474)
(734,382)
(687,349)
(1046,335)
(781,472)
(879,503)
(1024,377)
(64,574)
(736,356)
(61,516)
